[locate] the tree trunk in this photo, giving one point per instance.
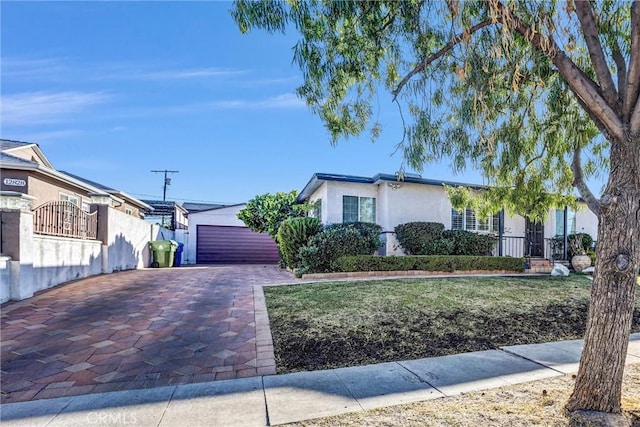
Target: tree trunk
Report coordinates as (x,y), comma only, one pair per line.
(599,382)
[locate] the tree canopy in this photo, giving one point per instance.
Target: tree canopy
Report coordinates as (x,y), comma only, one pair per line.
(265,212)
(538,95)
(481,82)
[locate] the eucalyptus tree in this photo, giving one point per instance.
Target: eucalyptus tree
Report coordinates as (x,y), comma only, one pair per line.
(538,95)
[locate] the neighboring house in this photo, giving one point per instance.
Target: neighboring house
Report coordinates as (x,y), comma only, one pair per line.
(25,169)
(124,202)
(56,226)
(217,236)
(169,214)
(193,207)
(384,200)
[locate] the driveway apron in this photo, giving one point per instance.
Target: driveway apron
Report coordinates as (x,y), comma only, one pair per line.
(137,329)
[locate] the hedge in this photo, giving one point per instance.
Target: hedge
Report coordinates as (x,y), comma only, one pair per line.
(427,263)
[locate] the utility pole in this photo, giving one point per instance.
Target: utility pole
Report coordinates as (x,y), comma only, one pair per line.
(167,181)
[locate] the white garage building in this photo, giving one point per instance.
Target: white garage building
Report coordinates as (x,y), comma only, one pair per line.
(217,236)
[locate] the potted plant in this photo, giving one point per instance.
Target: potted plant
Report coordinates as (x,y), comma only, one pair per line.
(580,260)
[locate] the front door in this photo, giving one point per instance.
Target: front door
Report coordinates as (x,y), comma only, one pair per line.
(534,238)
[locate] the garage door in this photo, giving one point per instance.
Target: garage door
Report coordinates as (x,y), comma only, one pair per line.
(229,245)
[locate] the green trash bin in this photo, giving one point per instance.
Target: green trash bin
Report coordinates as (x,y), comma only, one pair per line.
(163,252)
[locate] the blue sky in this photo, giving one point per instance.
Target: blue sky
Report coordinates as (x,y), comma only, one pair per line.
(113,90)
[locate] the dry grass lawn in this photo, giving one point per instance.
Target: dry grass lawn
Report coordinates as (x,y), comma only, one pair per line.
(538,403)
(332,325)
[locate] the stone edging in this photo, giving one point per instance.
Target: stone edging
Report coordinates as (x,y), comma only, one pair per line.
(265,357)
(407,273)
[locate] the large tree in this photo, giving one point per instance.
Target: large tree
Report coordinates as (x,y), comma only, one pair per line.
(265,212)
(538,95)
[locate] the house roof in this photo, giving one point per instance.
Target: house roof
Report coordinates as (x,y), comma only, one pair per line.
(164,207)
(217,208)
(318,178)
(192,207)
(8,159)
(132,200)
(7,145)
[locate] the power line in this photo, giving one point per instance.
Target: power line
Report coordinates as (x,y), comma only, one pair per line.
(167,181)
(153,196)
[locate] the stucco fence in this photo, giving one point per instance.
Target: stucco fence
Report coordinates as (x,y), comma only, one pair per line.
(33,262)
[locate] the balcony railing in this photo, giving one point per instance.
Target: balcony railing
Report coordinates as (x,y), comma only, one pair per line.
(65,219)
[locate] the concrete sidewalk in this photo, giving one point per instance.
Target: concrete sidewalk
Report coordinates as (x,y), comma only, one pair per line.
(278,399)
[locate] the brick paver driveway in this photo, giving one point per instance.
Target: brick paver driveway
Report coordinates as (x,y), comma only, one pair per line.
(138,329)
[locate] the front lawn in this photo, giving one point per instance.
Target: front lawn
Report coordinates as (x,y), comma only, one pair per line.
(330,325)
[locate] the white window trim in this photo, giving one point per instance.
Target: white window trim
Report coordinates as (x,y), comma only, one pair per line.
(375,207)
(477,228)
(65,197)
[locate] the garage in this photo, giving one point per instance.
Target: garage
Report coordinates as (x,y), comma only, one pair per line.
(218,244)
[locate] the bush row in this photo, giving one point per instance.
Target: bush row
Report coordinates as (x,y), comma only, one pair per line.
(430,238)
(308,247)
(336,240)
(428,263)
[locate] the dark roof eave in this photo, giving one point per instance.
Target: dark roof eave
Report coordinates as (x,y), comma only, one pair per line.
(316,181)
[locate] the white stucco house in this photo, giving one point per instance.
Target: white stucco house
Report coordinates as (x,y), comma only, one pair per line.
(384,200)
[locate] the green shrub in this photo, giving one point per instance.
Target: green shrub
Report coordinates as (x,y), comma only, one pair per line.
(417,238)
(592,255)
(293,234)
(337,240)
(438,247)
(468,243)
(369,234)
(427,263)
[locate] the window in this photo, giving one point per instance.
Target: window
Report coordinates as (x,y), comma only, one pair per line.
(571,222)
(470,219)
(457,220)
(356,209)
(64,197)
(467,220)
(128,211)
(86,207)
(316,209)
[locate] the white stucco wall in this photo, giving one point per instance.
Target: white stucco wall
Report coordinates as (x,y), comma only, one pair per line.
(413,202)
(419,202)
(128,241)
(586,221)
(58,259)
(5,279)
(321,194)
(224,216)
(333,198)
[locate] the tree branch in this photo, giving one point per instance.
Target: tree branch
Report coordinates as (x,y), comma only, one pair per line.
(591,37)
(621,65)
(580,84)
(635,119)
(578,181)
(446,48)
(633,79)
